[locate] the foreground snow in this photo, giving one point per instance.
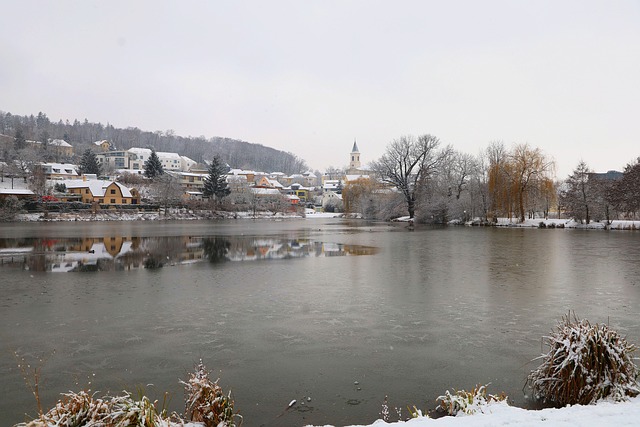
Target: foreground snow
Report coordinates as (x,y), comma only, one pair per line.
(500,414)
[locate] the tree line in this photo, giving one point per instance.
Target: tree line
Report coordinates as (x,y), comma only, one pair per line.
(433,183)
(81,135)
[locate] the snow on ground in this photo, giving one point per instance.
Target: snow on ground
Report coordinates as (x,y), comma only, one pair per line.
(603,414)
(569,223)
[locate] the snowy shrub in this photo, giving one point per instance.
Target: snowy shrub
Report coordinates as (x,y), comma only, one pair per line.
(83,409)
(468,402)
(74,410)
(205,401)
(585,363)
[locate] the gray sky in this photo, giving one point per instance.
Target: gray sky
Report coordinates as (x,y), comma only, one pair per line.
(310,76)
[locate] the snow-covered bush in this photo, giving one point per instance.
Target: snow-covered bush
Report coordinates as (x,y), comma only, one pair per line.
(585,363)
(205,401)
(83,409)
(206,405)
(468,402)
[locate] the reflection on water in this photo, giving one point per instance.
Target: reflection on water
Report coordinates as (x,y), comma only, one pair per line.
(125,252)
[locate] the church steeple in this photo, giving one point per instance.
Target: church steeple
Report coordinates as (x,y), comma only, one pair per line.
(354,160)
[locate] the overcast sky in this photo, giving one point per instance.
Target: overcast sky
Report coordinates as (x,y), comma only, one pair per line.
(310,76)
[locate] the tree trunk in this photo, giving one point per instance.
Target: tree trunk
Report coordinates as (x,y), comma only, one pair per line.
(411,206)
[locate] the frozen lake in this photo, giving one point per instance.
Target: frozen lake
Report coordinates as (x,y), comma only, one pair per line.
(341,312)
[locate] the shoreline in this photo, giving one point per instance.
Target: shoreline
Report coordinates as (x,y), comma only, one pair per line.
(191,215)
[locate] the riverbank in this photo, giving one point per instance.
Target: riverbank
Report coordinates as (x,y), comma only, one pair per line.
(500,414)
(175,214)
(547,223)
(569,223)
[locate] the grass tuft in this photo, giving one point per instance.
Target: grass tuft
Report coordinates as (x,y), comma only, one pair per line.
(585,363)
(468,402)
(206,402)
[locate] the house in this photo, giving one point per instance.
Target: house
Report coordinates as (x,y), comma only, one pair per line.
(58,147)
(20,193)
(169,161)
(265,182)
(190,181)
(114,160)
(103,145)
(303,193)
(59,170)
(103,192)
(331,201)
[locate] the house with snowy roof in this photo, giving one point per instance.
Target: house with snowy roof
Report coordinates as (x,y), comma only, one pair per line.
(103,145)
(59,170)
(169,161)
(58,147)
(103,192)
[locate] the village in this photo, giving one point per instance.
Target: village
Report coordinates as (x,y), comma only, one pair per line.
(122,184)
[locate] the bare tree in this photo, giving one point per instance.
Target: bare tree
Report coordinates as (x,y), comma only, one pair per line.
(529,167)
(407,163)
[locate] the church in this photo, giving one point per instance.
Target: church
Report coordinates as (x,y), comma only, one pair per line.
(355,167)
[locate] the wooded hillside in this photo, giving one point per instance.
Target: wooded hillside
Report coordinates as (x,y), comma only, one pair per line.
(238,154)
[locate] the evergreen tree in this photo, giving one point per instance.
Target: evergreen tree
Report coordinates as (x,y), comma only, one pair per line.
(215,185)
(153,166)
(89,163)
(20,141)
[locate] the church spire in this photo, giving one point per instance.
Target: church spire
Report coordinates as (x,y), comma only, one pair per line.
(355,147)
(354,157)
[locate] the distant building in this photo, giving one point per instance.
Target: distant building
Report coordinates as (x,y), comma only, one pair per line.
(103,145)
(354,160)
(59,170)
(607,176)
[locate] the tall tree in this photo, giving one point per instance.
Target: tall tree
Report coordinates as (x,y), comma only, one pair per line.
(626,191)
(529,167)
(215,185)
(153,166)
(407,163)
(577,193)
(19,140)
(89,163)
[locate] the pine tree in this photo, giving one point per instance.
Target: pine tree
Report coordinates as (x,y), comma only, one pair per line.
(153,166)
(20,141)
(215,184)
(89,163)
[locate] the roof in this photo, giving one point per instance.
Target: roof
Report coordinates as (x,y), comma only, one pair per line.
(101,142)
(355,147)
(265,191)
(60,143)
(96,186)
(16,191)
(167,155)
(356,177)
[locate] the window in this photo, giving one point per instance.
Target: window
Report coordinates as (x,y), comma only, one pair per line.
(113,200)
(113,191)
(86,191)
(100,200)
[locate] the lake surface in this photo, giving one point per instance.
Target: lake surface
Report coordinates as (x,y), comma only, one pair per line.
(340,312)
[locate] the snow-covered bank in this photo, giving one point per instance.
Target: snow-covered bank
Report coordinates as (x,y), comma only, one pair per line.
(549,223)
(178,214)
(569,223)
(500,414)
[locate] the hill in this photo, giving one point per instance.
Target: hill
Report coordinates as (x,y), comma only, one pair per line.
(237,153)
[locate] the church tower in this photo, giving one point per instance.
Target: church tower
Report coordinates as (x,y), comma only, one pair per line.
(354,160)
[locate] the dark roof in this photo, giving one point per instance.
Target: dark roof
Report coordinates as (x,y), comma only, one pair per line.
(355,147)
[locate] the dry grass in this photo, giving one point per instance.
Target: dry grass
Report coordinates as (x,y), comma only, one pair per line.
(468,402)
(206,402)
(585,363)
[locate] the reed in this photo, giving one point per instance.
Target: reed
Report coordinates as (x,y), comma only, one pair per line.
(585,363)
